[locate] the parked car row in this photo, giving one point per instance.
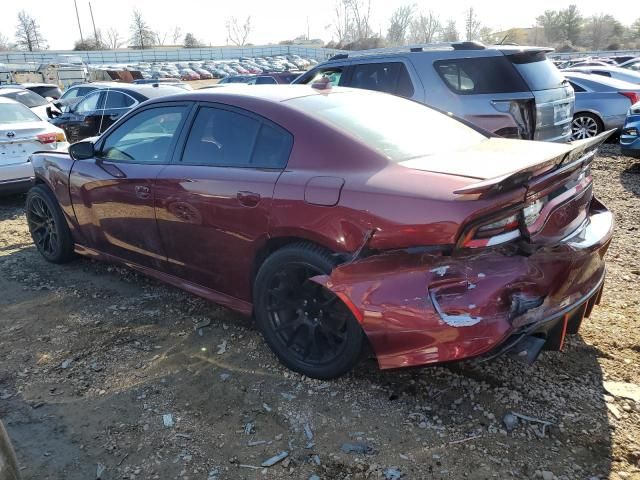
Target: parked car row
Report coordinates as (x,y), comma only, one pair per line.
(207,69)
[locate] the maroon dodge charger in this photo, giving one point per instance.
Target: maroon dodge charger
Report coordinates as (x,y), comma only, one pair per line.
(344,221)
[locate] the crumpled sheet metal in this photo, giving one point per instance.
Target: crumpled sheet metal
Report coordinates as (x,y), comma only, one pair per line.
(422,308)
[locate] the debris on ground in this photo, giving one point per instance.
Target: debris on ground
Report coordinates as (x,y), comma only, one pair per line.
(167,420)
(357,448)
(269,462)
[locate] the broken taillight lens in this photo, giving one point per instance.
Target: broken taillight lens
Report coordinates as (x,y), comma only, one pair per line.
(495,232)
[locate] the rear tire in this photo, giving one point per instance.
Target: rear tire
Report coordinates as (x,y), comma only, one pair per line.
(585,125)
(307,326)
(47,225)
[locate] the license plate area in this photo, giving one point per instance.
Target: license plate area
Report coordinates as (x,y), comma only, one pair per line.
(561,113)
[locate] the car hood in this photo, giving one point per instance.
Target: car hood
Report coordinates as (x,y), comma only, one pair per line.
(491,158)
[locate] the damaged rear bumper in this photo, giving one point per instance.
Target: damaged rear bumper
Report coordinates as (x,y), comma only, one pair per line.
(421,308)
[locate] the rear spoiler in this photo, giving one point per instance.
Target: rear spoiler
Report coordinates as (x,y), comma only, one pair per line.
(580,152)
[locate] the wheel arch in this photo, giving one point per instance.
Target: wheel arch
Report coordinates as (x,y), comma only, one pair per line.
(595,113)
(273,244)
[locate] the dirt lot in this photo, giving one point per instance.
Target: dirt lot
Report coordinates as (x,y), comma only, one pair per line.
(92,356)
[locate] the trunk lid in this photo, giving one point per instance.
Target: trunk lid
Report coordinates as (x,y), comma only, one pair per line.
(19,140)
(555,180)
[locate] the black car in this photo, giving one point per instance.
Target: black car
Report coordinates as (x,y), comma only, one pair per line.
(104,106)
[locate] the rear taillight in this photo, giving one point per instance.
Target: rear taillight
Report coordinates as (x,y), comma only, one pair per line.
(495,232)
(47,138)
(633,96)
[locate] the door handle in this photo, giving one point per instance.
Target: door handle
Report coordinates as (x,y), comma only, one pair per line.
(142,191)
(249,199)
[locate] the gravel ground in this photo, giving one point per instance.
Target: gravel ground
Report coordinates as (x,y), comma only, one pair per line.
(103,370)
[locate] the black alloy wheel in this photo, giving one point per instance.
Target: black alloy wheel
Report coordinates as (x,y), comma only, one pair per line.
(307,325)
(48,228)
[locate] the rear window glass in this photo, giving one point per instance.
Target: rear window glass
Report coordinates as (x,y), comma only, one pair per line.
(16,113)
(406,130)
(538,71)
(474,76)
(26,97)
(53,92)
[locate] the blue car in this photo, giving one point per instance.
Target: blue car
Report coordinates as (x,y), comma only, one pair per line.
(630,136)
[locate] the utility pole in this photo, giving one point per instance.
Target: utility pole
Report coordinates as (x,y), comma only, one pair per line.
(78,17)
(307,28)
(95,32)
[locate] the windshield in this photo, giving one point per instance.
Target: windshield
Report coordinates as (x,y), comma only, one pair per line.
(16,113)
(26,97)
(398,128)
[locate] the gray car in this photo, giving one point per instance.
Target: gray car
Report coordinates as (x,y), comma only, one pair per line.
(618,73)
(601,103)
(514,92)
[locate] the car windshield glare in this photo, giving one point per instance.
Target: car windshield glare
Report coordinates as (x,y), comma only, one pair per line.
(398,128)
(16,113)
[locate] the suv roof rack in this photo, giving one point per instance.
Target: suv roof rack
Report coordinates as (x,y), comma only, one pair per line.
(468,46)
(412,49)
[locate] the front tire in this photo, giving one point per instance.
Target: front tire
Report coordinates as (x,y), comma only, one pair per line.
(306,325)
(47,225)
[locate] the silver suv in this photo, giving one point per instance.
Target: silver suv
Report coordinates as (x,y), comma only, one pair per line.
(514,92)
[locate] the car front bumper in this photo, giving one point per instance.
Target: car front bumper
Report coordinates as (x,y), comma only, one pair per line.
(419,308)
(630,144)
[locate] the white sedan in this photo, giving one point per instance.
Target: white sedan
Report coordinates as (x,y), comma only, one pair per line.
(22,132)
(35,102)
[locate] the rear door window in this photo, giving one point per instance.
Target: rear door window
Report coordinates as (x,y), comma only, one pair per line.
(117,100)
(226,138)
(474,76)
(391,77)
(576,88)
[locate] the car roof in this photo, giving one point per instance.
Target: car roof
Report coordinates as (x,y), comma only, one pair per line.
(614,83)
(147,90)
(4,91)
(269,93)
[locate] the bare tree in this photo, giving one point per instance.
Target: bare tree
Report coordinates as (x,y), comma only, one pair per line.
(425,28)
(361,14)
(401,20)
(176,35)
(472,24)
(450,32)
(141,35)
(602,30)
(238,33)
(28,36)
(342,23)
(160,37)
(4,42)
(114,40)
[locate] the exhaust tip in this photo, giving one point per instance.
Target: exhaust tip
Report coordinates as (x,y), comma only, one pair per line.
(528,349)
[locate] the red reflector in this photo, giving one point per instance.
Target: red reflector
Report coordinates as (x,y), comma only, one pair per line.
(47,137)
(633,96)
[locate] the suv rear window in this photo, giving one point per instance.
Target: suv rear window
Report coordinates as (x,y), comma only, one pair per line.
(537,70)
(474,76)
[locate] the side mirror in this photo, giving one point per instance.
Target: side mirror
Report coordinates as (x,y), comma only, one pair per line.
(82,150)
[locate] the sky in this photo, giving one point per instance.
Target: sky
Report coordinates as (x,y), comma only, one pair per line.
(272,20)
